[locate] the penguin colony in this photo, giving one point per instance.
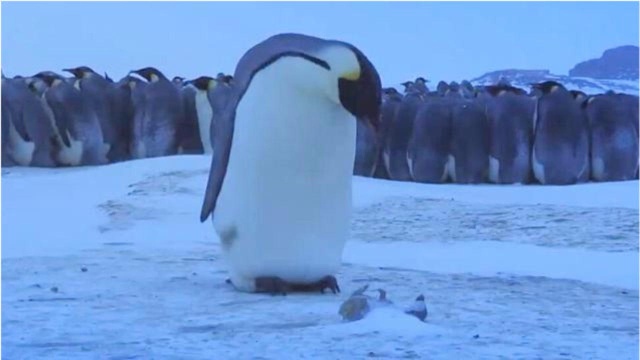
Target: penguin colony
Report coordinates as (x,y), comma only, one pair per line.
(500,134)
(457,133)
(49,120)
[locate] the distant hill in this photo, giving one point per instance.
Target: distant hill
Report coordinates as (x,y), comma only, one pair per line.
(523,79)
(616,70)
(617,63)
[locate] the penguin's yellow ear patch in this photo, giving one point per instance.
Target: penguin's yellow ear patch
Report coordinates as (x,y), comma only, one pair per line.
(154,78)
(352,75)
(212,84)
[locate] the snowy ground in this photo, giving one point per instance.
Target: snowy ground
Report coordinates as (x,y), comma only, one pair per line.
(112,262)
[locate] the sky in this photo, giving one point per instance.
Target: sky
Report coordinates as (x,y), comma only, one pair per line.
(436,40)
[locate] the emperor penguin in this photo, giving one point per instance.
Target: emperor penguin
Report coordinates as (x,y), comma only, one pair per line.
(100,93)
(187,132)
(156,119)
(468,161)
(76,123)
(509,113)
(395,152)
(203,85)
(29,137)
(613,139)
(421,85)
(391,99)
(430,142)
(560,154)
(279,189)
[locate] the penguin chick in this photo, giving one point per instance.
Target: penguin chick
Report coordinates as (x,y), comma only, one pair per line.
(418,308)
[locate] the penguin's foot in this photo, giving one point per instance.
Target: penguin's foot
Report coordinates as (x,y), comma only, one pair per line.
(327,282)
(274,285)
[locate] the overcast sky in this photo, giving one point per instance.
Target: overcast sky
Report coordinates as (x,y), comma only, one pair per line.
(449,41)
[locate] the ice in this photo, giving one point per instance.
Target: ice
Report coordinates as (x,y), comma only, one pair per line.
(112,262)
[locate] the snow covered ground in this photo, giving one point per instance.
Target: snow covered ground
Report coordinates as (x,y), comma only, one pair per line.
(112,262)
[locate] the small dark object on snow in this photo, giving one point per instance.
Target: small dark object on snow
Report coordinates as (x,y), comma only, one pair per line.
(418,308)
(54,289)
(476,336)
(84,269)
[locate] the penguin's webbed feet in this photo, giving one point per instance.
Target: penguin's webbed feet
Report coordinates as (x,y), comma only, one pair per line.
(329,282)
(272,285)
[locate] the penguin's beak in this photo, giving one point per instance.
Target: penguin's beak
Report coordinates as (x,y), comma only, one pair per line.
(74,71)
(139,74)
(362,95)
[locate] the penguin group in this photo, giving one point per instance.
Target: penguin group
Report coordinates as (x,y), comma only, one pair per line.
(49,120)
(456,133)
(500,134)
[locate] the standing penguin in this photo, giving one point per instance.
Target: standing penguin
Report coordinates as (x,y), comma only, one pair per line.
(509,114)
(391,99)
(204,111)
(156,119)
(76,122)
(420,85)
(560,152)
(187,132)
(469,157)
(613,139)
(29,137)
(430,142)
(100,94)
(279,189)
(395,152)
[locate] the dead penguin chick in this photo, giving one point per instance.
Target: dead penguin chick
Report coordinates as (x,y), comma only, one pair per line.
(418,308)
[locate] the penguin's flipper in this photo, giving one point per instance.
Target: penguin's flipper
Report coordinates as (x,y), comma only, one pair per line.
(220,159)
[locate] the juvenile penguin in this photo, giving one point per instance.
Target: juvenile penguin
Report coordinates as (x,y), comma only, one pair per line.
(430,142)
(560,154)
(76,122)
(156,120)
(511,134)
(613,139)
(100,94)
(279,190)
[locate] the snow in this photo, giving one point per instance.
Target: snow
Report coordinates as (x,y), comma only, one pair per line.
(112,262)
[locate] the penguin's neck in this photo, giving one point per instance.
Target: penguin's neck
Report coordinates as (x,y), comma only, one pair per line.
(204,113)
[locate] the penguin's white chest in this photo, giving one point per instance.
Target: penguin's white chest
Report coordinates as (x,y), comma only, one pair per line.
(285,203)
(204,112)
(20,150)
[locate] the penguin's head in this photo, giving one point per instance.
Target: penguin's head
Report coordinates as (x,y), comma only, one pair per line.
(360,91)
(421,80)
(547,87)
(178,80)
(150,74)
(340,73)
(50,78)
(203,83)
(420,298)
(80,72)
(498,90)
(578,95)
(442,87)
